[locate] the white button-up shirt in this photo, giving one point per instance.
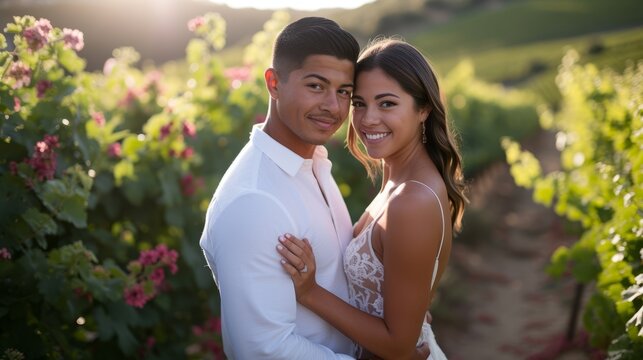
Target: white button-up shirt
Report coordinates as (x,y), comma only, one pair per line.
(266,192)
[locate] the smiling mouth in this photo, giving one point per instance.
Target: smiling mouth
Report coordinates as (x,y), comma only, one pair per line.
(323,122)
(376,136)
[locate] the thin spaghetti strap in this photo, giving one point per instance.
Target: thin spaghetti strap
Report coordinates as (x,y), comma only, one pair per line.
(437,258)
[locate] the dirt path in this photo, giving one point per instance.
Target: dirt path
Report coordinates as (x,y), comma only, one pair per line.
(506,307)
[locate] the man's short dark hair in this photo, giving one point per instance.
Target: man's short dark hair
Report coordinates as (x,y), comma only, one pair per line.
(311,36)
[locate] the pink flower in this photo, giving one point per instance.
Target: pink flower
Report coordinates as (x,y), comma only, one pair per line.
(165,131)
(187,153)
(80,293)
(43,160)
(157,276)
(114,150)
(188,185)
(189,129)
(5,254)
(99,118)
(41,88)
(207,333)
(109,66)
(215,348)
(150,342)
(135,296)
(196,23)
(131,95)
(155,259)
(37,35)
(13,168)
(197,330)
(153,82)
(237,75)
(148,257)
(173,268)
(170,260)
(74,39)
(21,73)
(167,257)
(240,73)
(16,104)
(213,324)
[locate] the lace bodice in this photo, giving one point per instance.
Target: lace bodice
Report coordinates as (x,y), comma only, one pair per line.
(365,272)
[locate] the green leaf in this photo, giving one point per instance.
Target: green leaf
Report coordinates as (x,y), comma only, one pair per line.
(70,60)
(559,261)
(105,289)
(123,169)
(196,50)
(626,347)
(64,202)
(171,193)
(13,28)
(601,320)
(52,286)
(544,190)
(115,321)
(103,182)
(121,316)
(3,42)
(93,130)
(40,223)
(512,150)
(174,216)
(131,146)
(585,264)
(13,197)
(134,191)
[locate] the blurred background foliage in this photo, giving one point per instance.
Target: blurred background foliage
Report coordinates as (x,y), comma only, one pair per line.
(111,150)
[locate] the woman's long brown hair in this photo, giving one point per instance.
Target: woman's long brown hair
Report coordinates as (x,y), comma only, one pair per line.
(404,63)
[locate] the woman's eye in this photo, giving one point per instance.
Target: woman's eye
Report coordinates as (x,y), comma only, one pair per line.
(315,86)
(387,104)
(357,104)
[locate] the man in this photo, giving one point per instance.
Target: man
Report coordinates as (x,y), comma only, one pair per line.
(281,183)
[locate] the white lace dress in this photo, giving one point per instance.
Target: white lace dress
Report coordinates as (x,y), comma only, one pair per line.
(365,273)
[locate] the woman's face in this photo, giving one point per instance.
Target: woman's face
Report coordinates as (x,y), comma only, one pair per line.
(384,115)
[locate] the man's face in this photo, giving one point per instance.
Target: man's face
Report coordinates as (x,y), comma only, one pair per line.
(312,103)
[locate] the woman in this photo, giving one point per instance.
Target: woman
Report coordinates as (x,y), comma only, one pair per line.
(400,119)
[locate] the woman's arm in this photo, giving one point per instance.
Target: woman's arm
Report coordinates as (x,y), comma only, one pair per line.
(411,235)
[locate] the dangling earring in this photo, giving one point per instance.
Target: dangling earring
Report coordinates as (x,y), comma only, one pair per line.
(423,133)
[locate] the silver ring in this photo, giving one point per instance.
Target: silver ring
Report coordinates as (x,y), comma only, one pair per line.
(305,269)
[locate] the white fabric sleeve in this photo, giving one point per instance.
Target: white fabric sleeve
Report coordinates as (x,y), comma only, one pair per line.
(258,305)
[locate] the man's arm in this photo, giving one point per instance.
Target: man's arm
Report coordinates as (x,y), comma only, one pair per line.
(258,302)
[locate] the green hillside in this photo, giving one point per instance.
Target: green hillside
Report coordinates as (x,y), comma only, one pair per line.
(521,43)
(535,65)
(528,21)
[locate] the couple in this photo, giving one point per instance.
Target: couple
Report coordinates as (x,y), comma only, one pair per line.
(279,192)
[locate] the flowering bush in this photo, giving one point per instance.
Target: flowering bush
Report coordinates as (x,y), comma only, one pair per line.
(104,180)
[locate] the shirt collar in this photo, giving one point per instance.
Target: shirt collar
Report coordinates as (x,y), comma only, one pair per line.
(285,158)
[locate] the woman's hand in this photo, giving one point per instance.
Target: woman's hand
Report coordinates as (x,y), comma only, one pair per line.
(299,261)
